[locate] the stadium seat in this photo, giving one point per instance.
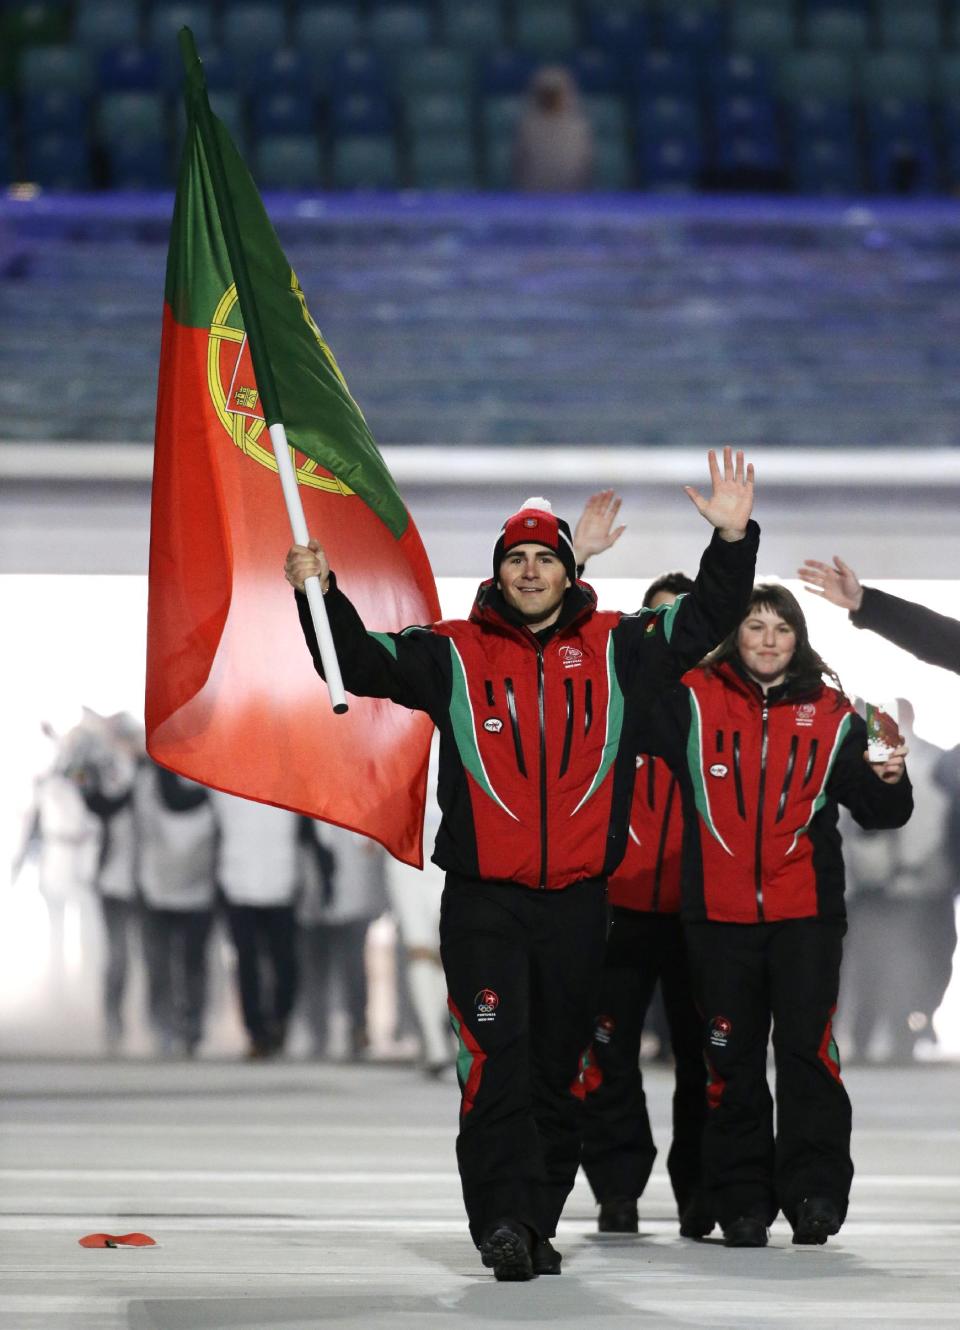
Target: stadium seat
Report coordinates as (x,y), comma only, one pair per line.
(838,30)
(612,164)
(596,71)
(752,161)
(607,116)
(130,116)
(946,76)
(320,31)
(622,32)
(99,24)
(896,74)
(664,73)
(65,68)
(910,30)
(670,164)
(435,69)
(275,111)
(287,69)
(497,173)
(697,28)
(288,161)
(474,25)
(139,164)
(816,74)
(505,72)
(365,161)
(744,114)
(59,160)
(548,30)
(8,168)
(25,23)
(821,118)
(248,31)
(443,161)
(164,22)
(731,72)
(130,69)
(668,117)
(358,113)
(826,166)
(53,108)
(437,113)
(399,28)
(500,116)
(358,69)
(769,29)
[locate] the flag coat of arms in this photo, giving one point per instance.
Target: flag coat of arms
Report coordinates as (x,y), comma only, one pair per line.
(232,699)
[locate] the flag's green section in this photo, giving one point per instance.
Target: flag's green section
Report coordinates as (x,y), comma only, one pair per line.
(315,406)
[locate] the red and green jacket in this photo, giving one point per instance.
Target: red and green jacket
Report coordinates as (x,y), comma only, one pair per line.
(648,877)
(762,778)
(537,733)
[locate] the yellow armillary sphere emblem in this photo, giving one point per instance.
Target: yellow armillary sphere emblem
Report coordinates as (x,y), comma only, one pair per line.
(235,397)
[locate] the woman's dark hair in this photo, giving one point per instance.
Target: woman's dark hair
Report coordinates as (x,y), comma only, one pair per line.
(675,584)
(807,667)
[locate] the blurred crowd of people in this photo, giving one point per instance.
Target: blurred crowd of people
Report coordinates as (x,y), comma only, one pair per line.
(166,858)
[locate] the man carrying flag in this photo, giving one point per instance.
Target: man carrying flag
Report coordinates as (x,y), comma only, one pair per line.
(537,698)
(248,385)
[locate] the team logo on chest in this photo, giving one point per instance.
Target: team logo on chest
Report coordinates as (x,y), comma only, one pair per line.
(806,713)
(718,769)
(494,725)
(572,657)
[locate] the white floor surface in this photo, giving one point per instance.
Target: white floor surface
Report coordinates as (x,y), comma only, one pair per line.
(291,1195)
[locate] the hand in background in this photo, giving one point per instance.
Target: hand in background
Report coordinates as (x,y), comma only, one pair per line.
(837,583)
(595,531)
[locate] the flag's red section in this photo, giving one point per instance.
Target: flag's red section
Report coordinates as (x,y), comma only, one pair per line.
(232,697)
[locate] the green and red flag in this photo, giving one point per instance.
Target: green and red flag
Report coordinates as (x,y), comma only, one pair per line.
(232,699)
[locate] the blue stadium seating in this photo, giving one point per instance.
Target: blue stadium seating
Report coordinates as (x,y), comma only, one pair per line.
(664,73)
(366,161)
(443,161)
(476,25)
(358,113)
(435,69)
(98,25)
(59,160)
(547,29)
(129,69)
(506,71)
(596,70)
(438,113)
(826,166)
(276,111)
(288,161)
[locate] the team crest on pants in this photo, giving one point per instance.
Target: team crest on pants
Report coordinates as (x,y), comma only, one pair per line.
(486,1003)
(720,1029)
(604,1029)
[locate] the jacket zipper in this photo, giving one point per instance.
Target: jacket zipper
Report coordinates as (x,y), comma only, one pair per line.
(661,848)
(737,781)
(763,781)
(791,763)
(515,725)
(811,761)
(543,774)
(568,733)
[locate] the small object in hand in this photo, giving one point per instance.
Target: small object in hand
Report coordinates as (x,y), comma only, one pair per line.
(117,1240)
(883,733)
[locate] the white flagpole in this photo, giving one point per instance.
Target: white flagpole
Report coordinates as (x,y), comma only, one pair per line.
(318,611)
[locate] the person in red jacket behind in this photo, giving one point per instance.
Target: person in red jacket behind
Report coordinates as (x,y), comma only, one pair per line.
(645,946)
(765,751)
(537,697)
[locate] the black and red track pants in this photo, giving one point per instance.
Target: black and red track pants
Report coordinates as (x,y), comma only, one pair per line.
(618,1148)
(745,977)
(523,977)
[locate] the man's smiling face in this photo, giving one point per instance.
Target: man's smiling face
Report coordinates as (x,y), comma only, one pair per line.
(533,580)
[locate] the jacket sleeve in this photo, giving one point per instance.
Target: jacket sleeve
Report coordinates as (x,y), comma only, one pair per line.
(406,667)
(929,636)
(875,804)
(671,640)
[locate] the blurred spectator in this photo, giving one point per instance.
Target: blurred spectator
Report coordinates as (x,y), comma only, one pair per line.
(343,893)
(553,152)
(176,847)
(102,755)
(415,905)
(902,932)
(258,871)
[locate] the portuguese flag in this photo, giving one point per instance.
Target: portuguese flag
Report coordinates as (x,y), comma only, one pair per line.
(232,699)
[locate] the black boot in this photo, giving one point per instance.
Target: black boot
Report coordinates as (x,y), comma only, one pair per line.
(817,1219)
(618,1215)
(506,1247)
(745,1231)
(696,1221)
(545,1257)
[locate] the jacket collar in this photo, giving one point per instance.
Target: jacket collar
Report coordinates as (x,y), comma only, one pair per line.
(492,611)
(733,674)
